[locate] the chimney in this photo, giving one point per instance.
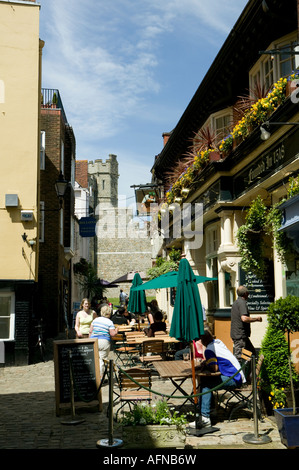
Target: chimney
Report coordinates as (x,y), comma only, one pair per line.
(166,136)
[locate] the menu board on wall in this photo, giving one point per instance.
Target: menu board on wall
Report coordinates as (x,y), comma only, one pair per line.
(261,291)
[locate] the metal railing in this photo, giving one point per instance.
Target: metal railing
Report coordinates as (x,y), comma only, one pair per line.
(50,98)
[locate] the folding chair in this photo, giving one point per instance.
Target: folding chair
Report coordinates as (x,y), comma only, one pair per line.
(123,351)
(131,391)
(242,397)
(152,350)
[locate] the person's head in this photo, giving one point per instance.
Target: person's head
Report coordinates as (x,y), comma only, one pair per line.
(207,337)
(242,291)
(158,316)
(121,311)
(85,304)
(106,311)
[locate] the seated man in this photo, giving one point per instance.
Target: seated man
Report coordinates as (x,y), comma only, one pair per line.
(119,318)
(217,358)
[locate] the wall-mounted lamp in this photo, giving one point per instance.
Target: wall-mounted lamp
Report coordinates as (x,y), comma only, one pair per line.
(185,191)
(60,185)
(31,242)
(265,134)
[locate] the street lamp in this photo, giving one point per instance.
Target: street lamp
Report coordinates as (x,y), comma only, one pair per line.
(60,186)
(265,134)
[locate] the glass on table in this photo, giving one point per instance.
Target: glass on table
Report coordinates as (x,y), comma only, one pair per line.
(186,356)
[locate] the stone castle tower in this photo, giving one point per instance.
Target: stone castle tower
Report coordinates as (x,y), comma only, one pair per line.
(121,244)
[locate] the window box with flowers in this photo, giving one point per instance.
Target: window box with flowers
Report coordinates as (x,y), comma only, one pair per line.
(153,426)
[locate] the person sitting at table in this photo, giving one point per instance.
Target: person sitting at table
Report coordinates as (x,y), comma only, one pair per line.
(197,349)
(128,315)
(218,358)
(158,325)
(119,318)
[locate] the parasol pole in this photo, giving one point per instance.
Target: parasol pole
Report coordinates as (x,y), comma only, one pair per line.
(193,372)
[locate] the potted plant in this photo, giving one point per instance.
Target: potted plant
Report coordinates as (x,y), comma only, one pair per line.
(275,370)
(284,316)
(153,426)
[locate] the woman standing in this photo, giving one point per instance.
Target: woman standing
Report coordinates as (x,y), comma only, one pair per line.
(84,318)
(103,329)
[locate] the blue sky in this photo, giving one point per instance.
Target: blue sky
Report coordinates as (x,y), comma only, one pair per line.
(127,69)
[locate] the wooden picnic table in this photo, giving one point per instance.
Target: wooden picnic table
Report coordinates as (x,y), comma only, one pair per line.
(141,339)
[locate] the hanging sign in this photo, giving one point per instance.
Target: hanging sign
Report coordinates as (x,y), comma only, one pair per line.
(87,227)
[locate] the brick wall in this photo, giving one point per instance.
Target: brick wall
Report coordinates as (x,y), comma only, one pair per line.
(53,267)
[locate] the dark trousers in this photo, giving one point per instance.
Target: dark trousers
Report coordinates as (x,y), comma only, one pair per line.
(243,343)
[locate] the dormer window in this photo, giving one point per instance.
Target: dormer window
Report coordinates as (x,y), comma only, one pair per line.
(271,67)
(216,128)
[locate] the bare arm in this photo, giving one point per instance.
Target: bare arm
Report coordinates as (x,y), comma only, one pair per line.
(113,332)
(246,319)
(77,325)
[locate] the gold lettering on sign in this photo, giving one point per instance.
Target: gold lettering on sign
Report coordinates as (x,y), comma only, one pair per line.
(269,161)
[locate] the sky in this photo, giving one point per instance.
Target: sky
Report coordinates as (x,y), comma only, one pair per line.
(127,69)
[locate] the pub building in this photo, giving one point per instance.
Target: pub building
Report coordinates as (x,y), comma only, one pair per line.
(260,49)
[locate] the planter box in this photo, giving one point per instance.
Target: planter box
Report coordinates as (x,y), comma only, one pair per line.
(153,436)
(288,426)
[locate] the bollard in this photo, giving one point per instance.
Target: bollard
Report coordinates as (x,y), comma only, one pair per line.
(110,442)
(255,438)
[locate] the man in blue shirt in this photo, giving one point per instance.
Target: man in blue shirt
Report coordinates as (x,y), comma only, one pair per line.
(218,358)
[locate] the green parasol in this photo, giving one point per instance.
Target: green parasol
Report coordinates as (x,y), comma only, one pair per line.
(187,319)
(137,299)
(170,279)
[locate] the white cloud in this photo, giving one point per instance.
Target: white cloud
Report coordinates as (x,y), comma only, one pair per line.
(106,60)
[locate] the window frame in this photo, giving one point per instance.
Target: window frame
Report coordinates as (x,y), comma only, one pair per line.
(259,66)
(11,317)
(42,150)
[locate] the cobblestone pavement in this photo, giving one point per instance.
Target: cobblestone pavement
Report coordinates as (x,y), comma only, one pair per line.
(29,421)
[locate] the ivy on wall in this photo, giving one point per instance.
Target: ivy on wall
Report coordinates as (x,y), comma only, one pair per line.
(262,222)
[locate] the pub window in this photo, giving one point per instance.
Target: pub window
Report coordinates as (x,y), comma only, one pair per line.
(213,240)
(7,315)
(213,290)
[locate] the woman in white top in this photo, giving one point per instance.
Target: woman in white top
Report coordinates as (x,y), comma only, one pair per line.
(84,318)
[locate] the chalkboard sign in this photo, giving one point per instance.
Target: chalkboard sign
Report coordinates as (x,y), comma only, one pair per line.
(261,291)
(83,357)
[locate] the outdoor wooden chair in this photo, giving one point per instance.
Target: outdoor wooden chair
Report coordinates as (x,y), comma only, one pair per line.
(131,383)
(123,351)
(242,397)
(152,351)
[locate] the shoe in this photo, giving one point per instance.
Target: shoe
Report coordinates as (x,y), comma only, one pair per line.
(203,422)
(192,424)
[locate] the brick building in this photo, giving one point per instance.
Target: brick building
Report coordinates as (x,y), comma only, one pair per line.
(57,220)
